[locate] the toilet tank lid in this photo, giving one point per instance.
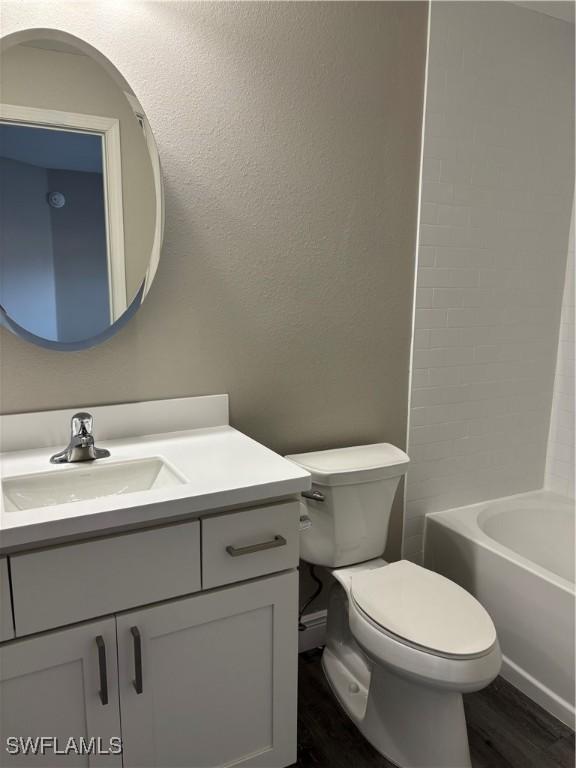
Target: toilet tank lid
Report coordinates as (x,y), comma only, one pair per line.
(357,464)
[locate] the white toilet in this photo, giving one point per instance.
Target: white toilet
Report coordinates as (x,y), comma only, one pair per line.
(403,643)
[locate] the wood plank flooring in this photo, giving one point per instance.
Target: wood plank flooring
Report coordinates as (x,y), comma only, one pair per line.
(505,729)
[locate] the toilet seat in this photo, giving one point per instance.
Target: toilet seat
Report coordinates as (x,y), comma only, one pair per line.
(455,671)
(424,610)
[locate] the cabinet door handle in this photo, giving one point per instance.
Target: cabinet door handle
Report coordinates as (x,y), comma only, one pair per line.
(137,682)
(103,692)
(277,541)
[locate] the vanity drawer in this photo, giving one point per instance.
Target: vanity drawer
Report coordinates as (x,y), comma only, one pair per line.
(6,628)
(64,584)
(249,543)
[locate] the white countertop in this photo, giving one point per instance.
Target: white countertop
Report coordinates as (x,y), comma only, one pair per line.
(222,468)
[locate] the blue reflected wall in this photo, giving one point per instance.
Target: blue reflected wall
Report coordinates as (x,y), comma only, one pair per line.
(53,248)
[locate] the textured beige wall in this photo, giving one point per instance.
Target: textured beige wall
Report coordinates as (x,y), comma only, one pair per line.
(69,82)
(290,136)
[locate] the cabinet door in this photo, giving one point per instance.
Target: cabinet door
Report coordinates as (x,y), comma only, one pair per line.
(54,685)
(218,678)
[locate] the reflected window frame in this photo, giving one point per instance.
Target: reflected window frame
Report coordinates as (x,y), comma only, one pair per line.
(108,128)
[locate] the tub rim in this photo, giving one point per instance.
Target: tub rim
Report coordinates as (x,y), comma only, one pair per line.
(469,527)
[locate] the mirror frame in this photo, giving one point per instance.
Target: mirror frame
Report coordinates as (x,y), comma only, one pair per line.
(28,35)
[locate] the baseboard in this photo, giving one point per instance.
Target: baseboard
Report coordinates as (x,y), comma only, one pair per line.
(538,692)
(315,633)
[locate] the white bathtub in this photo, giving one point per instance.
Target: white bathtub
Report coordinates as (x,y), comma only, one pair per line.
(516,555)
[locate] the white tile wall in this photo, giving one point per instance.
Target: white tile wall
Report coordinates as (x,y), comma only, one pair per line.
(560,460)
(495,208)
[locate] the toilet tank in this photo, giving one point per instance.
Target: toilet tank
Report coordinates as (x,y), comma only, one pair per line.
(357,485)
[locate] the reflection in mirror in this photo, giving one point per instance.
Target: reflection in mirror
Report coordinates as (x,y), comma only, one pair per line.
(81,204)
(54,178)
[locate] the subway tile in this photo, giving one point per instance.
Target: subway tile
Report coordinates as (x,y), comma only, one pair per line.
(476,297)
(473,444)
(447,278)
(418,416)
(438,395)
(457,411)
(487,173)
(456,170)
(430,451)
(446,337)
(459,318)
(414,527)
(421,341)
(484,217)
(433,358)
(435,123)
(426,256)
(466,194)
(431,234)
(435,433)
(462,278)
(480,335)
(453,257)
(464,257)
(416,509)
(430,318)
(429,213)
(482,372)
(495,207)
(424,298)
(431,278)
(435,192)
(446,297)
(487,353)
(431,168)
(426,470)
(447,236)
(440,147)
(420,377)
(448,376)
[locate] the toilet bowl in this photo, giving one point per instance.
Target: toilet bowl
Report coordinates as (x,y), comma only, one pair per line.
(402,642)
(399,667)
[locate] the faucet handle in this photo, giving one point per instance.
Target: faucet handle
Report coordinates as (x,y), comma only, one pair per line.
(82,424)
(81,446)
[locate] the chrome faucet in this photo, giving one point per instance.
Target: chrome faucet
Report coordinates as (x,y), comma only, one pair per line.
(81,446)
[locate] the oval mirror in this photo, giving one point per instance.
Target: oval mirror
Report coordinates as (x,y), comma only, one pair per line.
(81,201)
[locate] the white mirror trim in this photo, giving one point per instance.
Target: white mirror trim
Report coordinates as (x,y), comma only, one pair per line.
(156,170)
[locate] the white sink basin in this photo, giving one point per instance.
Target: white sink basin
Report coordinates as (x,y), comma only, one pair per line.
(87,481)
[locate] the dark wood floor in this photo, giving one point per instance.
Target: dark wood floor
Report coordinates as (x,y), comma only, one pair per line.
(505,729)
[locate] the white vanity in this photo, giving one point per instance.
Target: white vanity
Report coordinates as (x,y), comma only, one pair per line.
(162,611)
(149,594)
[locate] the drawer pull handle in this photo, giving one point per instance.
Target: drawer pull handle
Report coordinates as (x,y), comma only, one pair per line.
(137,682)
(314,495)
(103,692)
(277,541)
